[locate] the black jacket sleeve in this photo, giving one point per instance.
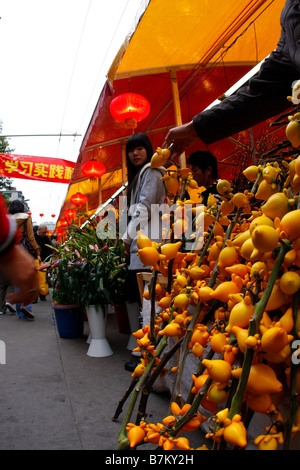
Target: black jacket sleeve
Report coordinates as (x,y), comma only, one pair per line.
(266,94)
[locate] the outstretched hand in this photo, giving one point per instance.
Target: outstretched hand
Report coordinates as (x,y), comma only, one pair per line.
(182,137)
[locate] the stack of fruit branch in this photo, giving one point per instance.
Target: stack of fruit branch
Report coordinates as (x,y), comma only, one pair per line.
(244,279)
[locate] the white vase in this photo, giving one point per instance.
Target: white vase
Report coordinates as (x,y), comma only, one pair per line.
(99,346)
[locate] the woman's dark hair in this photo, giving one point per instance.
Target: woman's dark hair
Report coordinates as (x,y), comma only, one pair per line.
(134,141)
(203,159)
(16,206)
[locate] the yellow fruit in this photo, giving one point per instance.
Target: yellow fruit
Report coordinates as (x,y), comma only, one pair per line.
(290,224)
(260,403)
(239,269)
(251,172)
(292,132)
(247,250)
(241,336)
(216,393)
(265,238)
(262,379)
(275,339)
(218,370)
(223,290)
(199,382)
(290,282)
(182,443)
(170,250)
(205,293)
(181,301)
(268,442)
(164,302)
(139,370)
(227,257)
(265,190)
(172,329)
(260,220)
(196,273)
(270,173)
(142,240)
(286,321)
(258,269)
(241,238)
(171,184)
(240,200)
(218,229)
(235,434)
(223,187)
(276,206)
(276,300)
(214,251)
(240,314)
(218,341)
(227,207)
(200,335)
(197,350)
(149,256)
(136,435)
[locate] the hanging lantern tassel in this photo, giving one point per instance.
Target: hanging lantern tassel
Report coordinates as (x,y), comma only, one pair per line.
(129,108)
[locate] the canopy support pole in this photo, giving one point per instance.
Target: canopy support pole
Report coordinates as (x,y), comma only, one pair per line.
(177,110)
(100,191)
(123,155)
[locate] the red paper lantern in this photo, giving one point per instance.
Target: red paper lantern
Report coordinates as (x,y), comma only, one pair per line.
(129,108)
(63,223)
(42,215)
(29,213)
(70,213)
(93,169)
(53,215)
(78,199)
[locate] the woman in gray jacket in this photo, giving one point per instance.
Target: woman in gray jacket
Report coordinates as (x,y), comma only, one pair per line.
(145,194)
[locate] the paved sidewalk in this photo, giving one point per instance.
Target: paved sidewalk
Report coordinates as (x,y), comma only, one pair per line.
(55,397)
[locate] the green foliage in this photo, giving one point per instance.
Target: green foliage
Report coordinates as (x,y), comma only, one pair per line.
(87,271)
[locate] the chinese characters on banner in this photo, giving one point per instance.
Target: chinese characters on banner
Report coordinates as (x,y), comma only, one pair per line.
(53,170)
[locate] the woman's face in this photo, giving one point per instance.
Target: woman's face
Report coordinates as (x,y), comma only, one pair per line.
(138,156)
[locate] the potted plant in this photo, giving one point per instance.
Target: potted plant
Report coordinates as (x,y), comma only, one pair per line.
(62,276)
(94,272)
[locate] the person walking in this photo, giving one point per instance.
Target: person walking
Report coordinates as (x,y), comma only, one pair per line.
(24,224)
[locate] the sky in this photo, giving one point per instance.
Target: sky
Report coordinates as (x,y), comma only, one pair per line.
(55,56)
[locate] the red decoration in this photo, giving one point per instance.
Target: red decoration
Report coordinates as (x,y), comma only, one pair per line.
(63,223)
(53,215)
(129,108)
(70,213)
(93,169)
(42,215)
(29,213)
(78,199)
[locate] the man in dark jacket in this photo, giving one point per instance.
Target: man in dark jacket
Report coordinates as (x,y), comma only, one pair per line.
(265,96)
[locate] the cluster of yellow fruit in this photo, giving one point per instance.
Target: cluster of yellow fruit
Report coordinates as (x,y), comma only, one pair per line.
(230,275)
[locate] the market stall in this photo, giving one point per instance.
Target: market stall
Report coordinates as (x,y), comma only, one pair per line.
(179,78)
